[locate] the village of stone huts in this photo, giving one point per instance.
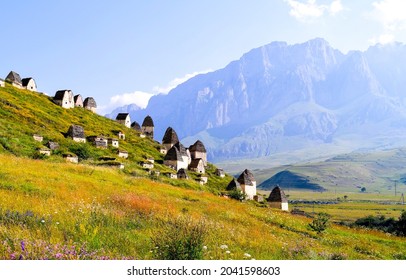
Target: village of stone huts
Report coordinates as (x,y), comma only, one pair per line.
(178,158)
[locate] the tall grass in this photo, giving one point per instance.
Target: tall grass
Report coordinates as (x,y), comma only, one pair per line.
(179,238)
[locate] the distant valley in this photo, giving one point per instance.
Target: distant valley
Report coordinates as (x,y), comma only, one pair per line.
(377,172)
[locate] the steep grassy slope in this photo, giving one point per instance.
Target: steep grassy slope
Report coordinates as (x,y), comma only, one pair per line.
(50,209)
(24,113)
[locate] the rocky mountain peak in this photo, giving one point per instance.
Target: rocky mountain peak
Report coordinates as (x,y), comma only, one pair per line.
(281,97)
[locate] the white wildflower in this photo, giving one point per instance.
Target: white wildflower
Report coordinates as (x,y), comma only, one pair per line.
(246,255)
(223,247)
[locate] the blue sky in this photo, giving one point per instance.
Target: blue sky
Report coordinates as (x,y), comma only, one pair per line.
(122,52)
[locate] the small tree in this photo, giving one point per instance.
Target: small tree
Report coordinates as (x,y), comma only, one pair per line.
(320,223)
(363,189)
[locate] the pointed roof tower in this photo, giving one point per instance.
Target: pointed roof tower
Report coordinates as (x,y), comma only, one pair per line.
(170,136)
(277,195)
(148,122)
(181,149)
(173,154)
(246,178)
(198,146)
(136,126)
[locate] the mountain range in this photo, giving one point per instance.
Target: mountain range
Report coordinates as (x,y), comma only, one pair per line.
(305,99)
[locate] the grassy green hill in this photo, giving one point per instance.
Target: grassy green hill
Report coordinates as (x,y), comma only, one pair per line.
(24,113)
(50,209)
(376,171)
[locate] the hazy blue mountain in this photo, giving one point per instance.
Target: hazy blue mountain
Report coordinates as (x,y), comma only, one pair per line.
(281,98)
(131,108)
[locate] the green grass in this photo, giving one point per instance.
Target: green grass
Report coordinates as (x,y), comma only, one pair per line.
(349,207)
(50,209)
(55,209)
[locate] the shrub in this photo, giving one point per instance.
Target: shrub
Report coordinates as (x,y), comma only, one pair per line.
(390,225)
(38,155)
(237,194)
(320,223)
(378,222)
(401,224)
(81,150)
(179,239)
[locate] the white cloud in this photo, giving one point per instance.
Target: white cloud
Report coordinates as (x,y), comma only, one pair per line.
(175,82)
(336,7)
(138,97)
(305,11)
(390,14)
(141,98)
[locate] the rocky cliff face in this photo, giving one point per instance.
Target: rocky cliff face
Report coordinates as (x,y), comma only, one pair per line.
(280,97)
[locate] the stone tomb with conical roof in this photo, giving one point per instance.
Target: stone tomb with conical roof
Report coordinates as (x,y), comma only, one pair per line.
(174,159)
(248,184)
(90,104)
(184,153)
(277,199)
(197,150)
(147,127)
(136,126)
(170,138)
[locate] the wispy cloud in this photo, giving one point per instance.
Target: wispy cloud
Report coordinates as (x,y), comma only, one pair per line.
(141,98)
(310,9)
(391,15)
(382,39)
(175,82)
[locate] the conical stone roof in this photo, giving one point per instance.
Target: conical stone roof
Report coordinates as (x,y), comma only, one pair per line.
(198,146)
(246,178)
(148,121)
(173,154)
(277,195)
(136,126)
(170,136)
